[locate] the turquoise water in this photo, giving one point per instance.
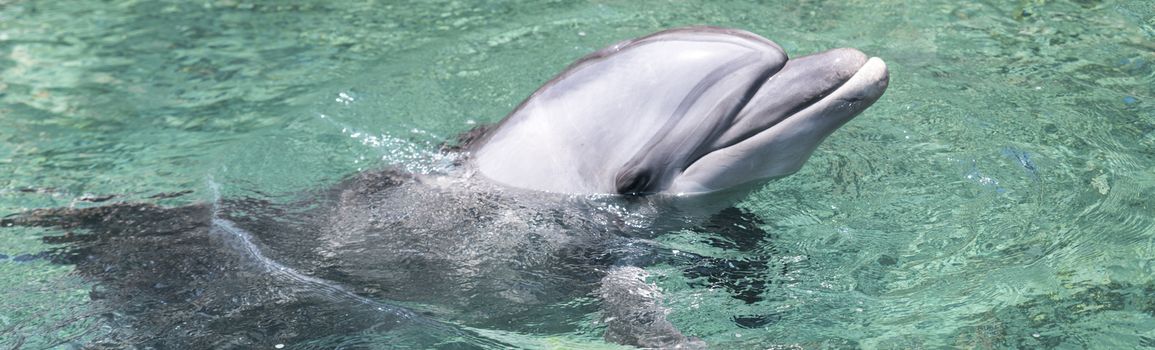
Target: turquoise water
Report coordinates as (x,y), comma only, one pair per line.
(998,196)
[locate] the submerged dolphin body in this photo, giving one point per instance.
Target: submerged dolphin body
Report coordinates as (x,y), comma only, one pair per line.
(684,111)
(669,118)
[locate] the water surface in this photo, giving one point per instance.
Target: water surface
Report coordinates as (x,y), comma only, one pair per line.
(998,195)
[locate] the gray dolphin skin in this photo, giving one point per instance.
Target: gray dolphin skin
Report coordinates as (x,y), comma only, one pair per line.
(702,112)
(684,111)
(550,217)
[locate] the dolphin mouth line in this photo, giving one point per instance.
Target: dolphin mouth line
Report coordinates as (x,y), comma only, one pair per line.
(817,117)
(859,74)
(872,66)
(746,100)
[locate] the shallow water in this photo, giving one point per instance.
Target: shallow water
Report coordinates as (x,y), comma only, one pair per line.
(998,195)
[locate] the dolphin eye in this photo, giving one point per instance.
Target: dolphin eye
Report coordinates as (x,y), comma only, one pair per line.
(634,184)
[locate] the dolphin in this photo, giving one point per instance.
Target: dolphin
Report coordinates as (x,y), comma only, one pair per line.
(702,114)
(684,111)
(672,127)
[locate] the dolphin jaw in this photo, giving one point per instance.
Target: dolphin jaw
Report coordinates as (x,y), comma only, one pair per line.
(783,147)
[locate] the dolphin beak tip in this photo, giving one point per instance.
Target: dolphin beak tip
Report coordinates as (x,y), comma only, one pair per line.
(875,69)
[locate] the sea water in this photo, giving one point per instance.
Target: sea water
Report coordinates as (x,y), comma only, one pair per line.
(998,196)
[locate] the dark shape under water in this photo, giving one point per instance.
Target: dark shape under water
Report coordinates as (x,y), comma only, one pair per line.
(193,277)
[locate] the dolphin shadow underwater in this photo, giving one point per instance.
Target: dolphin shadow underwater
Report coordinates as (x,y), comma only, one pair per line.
(547,217)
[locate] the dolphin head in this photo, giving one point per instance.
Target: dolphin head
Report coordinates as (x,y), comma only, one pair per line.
(684,111)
